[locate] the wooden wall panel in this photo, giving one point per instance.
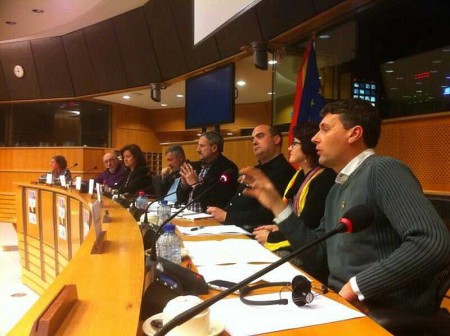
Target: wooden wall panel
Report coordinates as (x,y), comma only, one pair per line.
(136,48)
(422,143)
(20,53)
(80,65)
(166,40)
(52,68)
(105,56)
(203,53)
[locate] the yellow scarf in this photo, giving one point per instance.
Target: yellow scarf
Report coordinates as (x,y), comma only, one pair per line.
(301,193)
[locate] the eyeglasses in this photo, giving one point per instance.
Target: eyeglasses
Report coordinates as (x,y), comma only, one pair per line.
(295,143)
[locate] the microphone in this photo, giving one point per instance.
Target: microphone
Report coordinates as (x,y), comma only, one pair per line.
(354,220)
(162,197)
(74,165)
(224,178)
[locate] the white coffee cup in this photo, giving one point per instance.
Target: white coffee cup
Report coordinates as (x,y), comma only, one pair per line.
(198,325)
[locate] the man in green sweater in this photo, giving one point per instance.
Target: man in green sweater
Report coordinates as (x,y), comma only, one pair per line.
(394,262)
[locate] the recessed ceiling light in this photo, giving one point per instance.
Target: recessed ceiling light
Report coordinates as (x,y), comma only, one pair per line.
(180,96)
(11,23)
(126,97)
(272,62)
(229,133)
(163,105)
(390,62)
(389,71)
(241,83)
(270,93)
(324,36)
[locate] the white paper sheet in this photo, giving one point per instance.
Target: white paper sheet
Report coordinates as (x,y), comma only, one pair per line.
(228,251)
(212,230)
(241,319)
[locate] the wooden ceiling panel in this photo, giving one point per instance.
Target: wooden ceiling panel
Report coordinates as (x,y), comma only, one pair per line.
(52,68)
(197,56)
(26,87)
(166,40)
(136,48)
(82,72)
(105,56)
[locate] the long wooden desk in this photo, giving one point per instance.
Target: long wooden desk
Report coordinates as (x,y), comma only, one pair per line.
(109,284)
(357,326)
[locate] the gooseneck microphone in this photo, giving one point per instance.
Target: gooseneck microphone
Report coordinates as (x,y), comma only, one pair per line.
(74,165)
(224,178)
(162,197)
(354,220)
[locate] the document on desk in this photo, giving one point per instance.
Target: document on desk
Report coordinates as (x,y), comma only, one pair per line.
(212,230)
(241,319)
(239,272)
(228,251)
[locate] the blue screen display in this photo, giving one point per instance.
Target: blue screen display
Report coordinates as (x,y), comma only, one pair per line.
(210,98)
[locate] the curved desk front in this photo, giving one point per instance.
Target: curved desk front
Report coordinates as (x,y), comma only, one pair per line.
(55,246)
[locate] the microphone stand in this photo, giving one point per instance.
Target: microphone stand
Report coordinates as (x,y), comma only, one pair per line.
(342,226)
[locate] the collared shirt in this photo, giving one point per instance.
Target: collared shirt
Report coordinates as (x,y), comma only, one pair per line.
(197,206)
(353,165)
(171,193)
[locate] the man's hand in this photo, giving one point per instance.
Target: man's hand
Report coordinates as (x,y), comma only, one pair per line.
(188,174)
(347,293)
(262,232)
(259,186)
(165,172)
(218,214)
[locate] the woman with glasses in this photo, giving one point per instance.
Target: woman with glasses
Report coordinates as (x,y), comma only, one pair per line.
(307,190)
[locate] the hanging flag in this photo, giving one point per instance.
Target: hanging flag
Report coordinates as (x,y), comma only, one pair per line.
(308,100)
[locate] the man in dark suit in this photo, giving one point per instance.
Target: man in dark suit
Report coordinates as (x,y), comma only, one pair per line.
(245,211)
(197,177)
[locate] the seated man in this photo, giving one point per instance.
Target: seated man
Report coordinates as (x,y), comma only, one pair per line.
(198,178)
(245,211)
(168,182)
(394,262)
(114,174)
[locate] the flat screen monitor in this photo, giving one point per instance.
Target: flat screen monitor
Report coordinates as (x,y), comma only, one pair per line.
(210,98)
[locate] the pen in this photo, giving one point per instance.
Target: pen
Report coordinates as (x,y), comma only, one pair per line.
(197,228)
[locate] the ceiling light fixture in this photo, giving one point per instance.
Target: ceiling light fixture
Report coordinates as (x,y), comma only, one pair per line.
(273,62)
(180,96)
(389,71)
(126,97)
(241,83)
(155,91)
(324,36)
(163,105)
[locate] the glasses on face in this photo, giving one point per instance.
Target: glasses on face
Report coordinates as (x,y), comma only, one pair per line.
(295,143)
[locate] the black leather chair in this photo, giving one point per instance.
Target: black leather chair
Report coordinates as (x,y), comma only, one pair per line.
(402,323)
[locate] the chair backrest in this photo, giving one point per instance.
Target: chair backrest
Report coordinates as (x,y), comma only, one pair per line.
(443,286)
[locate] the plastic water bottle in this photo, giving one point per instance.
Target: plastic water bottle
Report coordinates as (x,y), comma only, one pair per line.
(168,245)
(141,201)
(163,212)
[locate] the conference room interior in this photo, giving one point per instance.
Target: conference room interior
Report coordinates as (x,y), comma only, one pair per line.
(395,54)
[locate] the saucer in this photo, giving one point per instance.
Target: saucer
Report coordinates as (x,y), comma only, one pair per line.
(215,328)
